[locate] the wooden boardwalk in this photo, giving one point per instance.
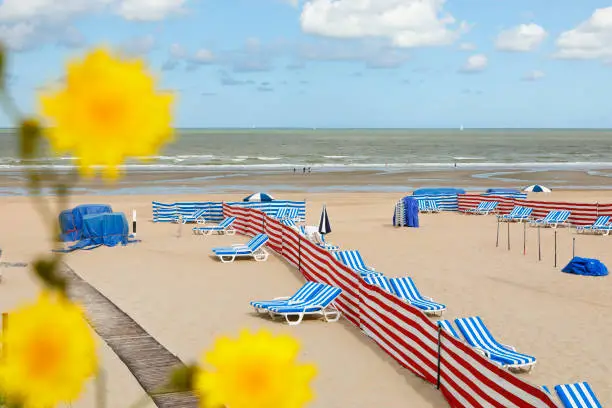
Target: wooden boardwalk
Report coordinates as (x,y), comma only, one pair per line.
(149,361)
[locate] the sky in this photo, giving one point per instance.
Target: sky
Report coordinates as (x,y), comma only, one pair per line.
(335,63)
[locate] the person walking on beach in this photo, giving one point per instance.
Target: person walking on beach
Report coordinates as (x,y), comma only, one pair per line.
(294,170)
(309,170)
(304,170)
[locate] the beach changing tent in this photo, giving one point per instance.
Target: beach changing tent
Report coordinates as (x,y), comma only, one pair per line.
(586,267)
(406,213)
(71,221)
(110,229)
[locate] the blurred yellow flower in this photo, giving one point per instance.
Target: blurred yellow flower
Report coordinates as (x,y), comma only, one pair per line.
(108,110)
(48,353)
(256,370)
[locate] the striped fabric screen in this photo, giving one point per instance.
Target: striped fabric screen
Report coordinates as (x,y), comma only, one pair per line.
(466,379)
(445,202)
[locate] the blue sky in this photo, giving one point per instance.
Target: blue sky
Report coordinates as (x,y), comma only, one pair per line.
(337,63)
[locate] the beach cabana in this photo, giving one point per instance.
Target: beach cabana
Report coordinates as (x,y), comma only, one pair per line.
(71,221)
(537,188)
(406,213)
(259,197)
(109,229)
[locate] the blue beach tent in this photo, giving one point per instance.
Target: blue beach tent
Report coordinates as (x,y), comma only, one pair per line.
(71,221)
(585,267)
(406,213)
(110,229)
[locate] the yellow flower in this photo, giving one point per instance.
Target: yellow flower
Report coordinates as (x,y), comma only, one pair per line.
(107,111)
(254,371)
(48,353)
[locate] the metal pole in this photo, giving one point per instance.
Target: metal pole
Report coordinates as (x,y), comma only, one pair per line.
(573,247)
(539,247)
(508,235)
(299,253)
(524,239)
(555,248)
(439,356)
(497,240)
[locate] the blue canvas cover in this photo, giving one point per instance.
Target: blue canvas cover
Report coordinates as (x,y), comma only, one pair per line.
(586,267)
(406,213)
(81,211)
(103,229)
(68,229)
(503,190)
(438,191)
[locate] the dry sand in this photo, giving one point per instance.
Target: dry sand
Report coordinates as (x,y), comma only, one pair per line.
(171,286)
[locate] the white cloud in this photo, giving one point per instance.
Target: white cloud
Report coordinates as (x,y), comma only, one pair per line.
(591,39)
(406,23)
(28,23)
(522,38)
(149,10)
(475,63)
(179,54)
(467,46)
(138,46)
(534,75)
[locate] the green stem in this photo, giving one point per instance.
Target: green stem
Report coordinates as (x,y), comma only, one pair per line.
(9,106)
(101,389)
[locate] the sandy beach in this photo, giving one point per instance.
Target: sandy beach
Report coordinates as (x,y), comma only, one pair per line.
(171,286)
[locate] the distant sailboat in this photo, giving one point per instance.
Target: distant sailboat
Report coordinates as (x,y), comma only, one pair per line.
(461,128)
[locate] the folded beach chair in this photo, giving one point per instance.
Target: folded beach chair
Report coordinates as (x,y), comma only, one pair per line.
(320,304)
(547,219)
(353,260)
(448,326)
(524,215)
(405,289)
(599,226)
(433,206)
(224,228)
(289,223)
(254,248)
(577,395)
(288,213)
(518,214)
(423,205)
(478,336)
(306,292)
(484,208)
(197,217)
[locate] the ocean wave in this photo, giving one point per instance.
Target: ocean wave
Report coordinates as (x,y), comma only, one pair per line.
(535,166)
(335,157)
(264,158)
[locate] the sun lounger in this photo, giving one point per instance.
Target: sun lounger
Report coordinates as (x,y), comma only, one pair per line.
(561,219)
(320,304)
(551,216)
(379,280)
(254,248)
(448,327)
(518,214)
(197,217)
(433,206)
(484,208)
(306,292)
(577,395)
(405,289)
(423,205)
(224,228)
(599,226)
(353,260)
(478,336)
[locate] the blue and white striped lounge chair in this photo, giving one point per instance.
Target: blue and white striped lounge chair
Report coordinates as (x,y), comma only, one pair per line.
(597,227)
(306,292)
(524,214)
(406,290)
(561,219)
(478,336)
(512,214)
(547,219)
(423,205)
(197,217)
(289,223)
(288,213)
(577,395)
(447,325)
(224,228)
(379,280)
(253,249)
(320,304)
(484,208)
(353,260)
(433,206)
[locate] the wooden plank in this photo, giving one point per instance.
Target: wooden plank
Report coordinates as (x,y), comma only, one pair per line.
(149,361)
